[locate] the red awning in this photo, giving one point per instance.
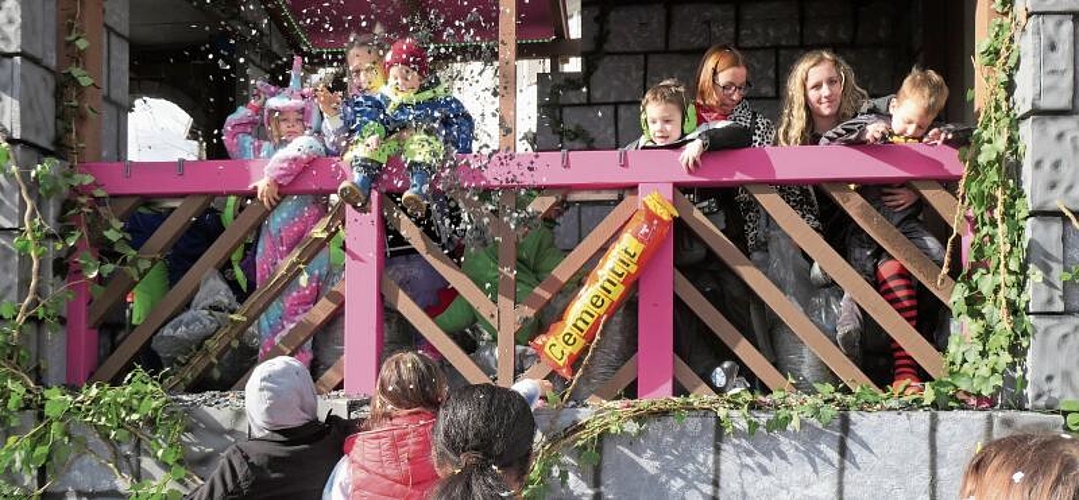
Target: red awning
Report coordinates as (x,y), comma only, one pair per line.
(324,25)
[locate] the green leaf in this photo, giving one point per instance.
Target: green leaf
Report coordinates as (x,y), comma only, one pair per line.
(5,153)
(589,457)
(56,407)
(1069,405)
(178,472)
(1073,421)
(39,456)
(81,43)
(8,310)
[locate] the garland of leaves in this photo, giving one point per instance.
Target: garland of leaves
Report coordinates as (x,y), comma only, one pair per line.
(49,427)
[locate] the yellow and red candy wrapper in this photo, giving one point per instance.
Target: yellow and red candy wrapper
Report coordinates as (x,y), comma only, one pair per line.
(606,287)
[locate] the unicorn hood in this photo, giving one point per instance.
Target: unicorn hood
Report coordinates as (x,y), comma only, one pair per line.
(291,98)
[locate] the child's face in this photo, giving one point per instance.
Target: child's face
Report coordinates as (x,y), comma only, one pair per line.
(824,89)
(909,119)
(664,122)
(365,70)
(289,125)
(404,79)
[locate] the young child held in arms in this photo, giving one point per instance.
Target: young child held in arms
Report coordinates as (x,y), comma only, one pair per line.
(416,118)
(668,121)
(391,455)
(290,114)
(906,117)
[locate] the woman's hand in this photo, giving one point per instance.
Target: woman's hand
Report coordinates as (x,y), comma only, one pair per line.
(266,192)
(691,156)
(876,132)
(937,136)
(898,198)
(328,102)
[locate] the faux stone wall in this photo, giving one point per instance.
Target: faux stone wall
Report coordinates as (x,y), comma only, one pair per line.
(630,46)
(1047,99)
(117,100)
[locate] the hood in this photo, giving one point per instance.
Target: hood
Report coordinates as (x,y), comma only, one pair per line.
(279,395)
(291,98)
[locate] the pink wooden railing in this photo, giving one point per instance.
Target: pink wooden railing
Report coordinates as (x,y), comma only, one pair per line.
(648,171)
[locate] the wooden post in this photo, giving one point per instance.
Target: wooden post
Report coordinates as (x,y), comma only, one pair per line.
(507,75)
(82,339)
(655,314)
(507,289)
(364,257)
(983,18)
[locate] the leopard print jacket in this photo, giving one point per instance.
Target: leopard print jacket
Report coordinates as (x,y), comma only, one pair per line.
(800,198)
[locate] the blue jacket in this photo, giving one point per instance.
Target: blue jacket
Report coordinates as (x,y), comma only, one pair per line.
(431,109)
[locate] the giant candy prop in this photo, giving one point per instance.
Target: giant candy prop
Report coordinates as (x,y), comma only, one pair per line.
(606,287)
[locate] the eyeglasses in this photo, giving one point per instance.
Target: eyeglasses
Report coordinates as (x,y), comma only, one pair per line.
(730,89)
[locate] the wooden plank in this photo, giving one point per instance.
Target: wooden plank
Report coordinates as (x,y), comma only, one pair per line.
(332,377)
(537,371)
(891,240)
(546,201)
(179,295)
(819,250)
(434,255)
(790,313)
(689,380)
(730,336)
(584,251)
(617,383)
(414,314)
(88,19)
(121,207)
(154,249)
(655,312)
(507,75)
(321,313)
(290,268)
(940,201)
(507,290)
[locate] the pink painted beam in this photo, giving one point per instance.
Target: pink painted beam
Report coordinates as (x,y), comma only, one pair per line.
(655,314)
(82,338)
(578,169)
(364,255)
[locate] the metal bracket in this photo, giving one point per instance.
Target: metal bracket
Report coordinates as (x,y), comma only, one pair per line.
(565,158)
(622,158)
(179,166)
(127,168)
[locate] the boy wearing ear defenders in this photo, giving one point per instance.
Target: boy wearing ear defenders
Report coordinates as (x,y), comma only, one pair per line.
(668,121)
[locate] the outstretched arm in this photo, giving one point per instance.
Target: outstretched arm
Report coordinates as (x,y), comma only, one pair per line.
(239,132)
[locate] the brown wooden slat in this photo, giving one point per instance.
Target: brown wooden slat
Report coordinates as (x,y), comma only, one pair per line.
(153,250)
(123,206)
(321,313)
(179,295)
(332,378)
(689,380)
(289,268)
(787,311)
(434,255)
(618,381)
(891,240)
(398,299)
(543,203)
(582,253)
(727,333)
(538,371)
(940,201)
(507,290)
(813,244)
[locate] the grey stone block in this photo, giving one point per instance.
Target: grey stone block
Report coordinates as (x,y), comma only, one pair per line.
(787,58)
(761,69)
(1071,260)
(664,442)
(28,28)
(877,21)
(88,475)
(617,79)
(567,234)
(768,107)
(629,123)
(1052,150)
(596,122)
(27,421)
(118,69)
(589,28)
(1045,79)
(875,68)
(828,22)
(636,28)
(14,267)
(118,16)
(547,139)
(805,464)
(27,101)
(12,205)
(664,66)
(701,25)
(766,24)
(52,354)
(561,88)
(1042,6)
(891,448)
(1045,254)
(210,430)
(1053,373)
(111,115)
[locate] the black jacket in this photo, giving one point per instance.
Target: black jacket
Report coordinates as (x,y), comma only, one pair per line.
(288,464)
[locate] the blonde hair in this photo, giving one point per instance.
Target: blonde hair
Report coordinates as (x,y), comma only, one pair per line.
(1028,466)
(926,87)
(407,380)
(717,59)
(795,125)
(669,91)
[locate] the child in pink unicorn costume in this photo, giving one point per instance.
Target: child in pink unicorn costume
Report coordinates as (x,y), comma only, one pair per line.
(290,116)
